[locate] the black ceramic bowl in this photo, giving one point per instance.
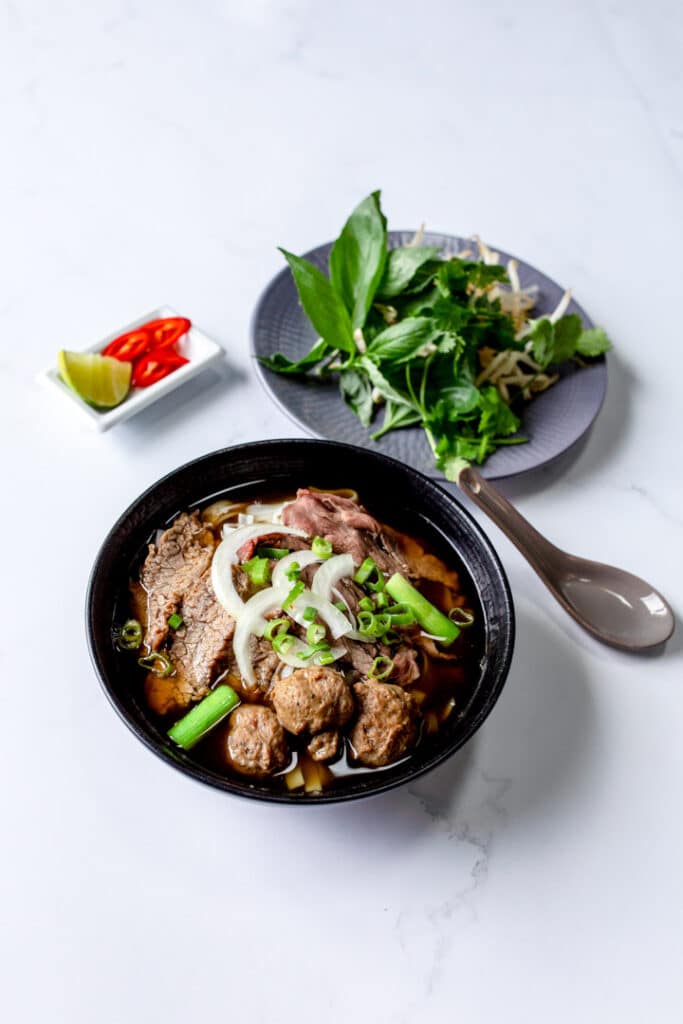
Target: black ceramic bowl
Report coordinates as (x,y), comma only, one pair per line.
(393,492)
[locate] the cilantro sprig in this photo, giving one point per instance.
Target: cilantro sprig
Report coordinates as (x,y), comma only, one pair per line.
(417,338)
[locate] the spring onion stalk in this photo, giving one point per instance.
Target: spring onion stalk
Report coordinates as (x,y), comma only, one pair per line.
(301,558)
(258,570)
(321,547)
(129,637)
(158,663)
(462,617)
(273,552)
(428,616)
(175,621)
(204,716)
(381,668)
(365,570)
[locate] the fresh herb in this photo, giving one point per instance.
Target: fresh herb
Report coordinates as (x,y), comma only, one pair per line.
(444,342)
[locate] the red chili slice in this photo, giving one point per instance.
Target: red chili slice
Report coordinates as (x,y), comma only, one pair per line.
(129,346)
(154,366)
(165,333)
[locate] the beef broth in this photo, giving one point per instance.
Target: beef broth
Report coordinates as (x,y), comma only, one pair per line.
(430,685)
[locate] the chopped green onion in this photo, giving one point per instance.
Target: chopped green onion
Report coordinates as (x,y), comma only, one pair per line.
(129,637)
(392,637)
(203,716)
(158,663)
(321,548)
(377,585)
(429,617)
(366,623)
(381,668)
(282,642)
(273,552)
(293,572)
(258,570)
(315,633)
(296,590)
(462,617)
(365,570)
(310,613)
(175,621)
(318,648)
(326,658)
(276,627)
(381,600)
(340,606)
(366,604)
(400,615)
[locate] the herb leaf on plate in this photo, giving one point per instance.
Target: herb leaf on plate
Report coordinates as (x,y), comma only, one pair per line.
(448,343)
(358,257)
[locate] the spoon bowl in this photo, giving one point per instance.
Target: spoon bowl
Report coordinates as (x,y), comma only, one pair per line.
(615,606)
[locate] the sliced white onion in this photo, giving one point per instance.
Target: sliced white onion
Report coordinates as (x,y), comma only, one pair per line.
(225,556)
(329,574)
(243,519)
(302,558)
(336,621)
(251,621)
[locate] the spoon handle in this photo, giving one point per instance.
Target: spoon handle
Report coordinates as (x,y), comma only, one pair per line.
(537,550)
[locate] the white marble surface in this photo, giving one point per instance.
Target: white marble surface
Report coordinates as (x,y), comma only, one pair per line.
(157,152)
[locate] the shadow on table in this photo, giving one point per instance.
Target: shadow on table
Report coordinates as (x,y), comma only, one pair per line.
(536,749)
(207,388)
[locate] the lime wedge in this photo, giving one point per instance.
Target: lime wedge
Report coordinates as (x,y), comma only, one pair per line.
(99,380)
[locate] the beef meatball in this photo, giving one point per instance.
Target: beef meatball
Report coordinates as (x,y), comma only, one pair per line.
(386,727)
(312,700)
(255,741)
(324,745)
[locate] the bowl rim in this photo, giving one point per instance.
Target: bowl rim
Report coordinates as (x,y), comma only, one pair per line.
(226,784)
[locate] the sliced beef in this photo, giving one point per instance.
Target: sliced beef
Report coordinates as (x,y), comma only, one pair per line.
(347,525)
(324,745)
(361,656)
(200,650)
(386,726)
(255,741)
(422,565)
(265,662)
(312,700)
(289,541)
(173,565)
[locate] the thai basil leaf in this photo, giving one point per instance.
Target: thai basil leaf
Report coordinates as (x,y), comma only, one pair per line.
(322,305)
(356,391)
(358,258)
(280,363)
(403,340)
(401,267)
(593,342)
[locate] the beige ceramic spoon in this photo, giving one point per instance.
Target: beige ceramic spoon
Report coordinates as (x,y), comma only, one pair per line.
(616,607)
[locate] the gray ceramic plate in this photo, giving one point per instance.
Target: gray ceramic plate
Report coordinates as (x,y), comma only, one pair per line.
(553,421)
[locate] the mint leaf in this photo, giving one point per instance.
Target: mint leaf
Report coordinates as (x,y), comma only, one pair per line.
(593,342)
(322,305)
(401,267)
(280,363)
(357,393)
(358,258)
(403,340)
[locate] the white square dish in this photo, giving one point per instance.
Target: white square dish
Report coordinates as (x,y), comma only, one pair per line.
(197,347)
